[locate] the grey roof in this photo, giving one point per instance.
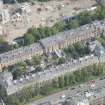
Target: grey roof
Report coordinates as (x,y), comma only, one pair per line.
(62,36)
(99,48)
(20,53)
(94,44)
(5,75)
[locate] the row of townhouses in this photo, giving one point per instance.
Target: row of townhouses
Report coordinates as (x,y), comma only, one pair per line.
(53,43)
(12,86)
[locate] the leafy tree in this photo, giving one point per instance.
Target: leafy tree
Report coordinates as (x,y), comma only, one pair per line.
(36,60)
(72,79)
(77,50)
(61,82)
(13,101)
(41,31)
(66,80)
(1,39)
(60,26)
(18,70)
(55,83)
(48,31)
(77,76)
(61,60)
(28,39)
(70,51)
(101,40)
(84,18)
(2,92)
(100,12)
(84,75)
(35,33)
(81,48)
(73,24)
(54,30)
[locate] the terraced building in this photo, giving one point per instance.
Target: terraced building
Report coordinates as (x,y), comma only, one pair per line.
(53,43)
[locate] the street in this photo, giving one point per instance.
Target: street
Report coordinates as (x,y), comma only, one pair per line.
(55,98)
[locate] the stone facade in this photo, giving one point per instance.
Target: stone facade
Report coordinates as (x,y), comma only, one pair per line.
(70,37)
(21,54)
(6,79)
(50,44)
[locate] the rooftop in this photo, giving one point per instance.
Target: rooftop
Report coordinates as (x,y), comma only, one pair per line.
(62,36)
(19,53)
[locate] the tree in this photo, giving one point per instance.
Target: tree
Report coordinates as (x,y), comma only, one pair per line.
(13,101)
(77,75)
(36,60)
(28,39)
(1,39)
(55,83)
(72,79)
(48,31)
(84,74)
(61,81)
(36,90)
(60,26)
(101,40)
(71,52)
(46,89)
(73,24)
(100,12)
(2,92)
(41,31)
(84,18)
(61,60)
(66,80)
(15,46)
(34,31)
(18,70)
(17,73)
(80,48)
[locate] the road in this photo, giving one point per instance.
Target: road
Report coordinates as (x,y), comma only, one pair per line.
(55,98)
